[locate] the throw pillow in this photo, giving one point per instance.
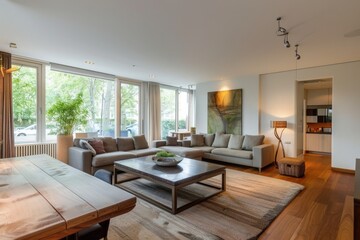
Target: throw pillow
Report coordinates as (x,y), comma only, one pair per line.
(209,139)
(197,140)
(109,144)
(171,141)
(236,141)
(140,142)
(86,145)
(221,140)
(76,142)
(251,141)
(98,145)
(125,144)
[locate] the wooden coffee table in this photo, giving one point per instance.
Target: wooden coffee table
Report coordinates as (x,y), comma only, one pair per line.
(172,188)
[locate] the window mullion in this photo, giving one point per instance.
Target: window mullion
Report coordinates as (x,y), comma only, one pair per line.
(176,110)
(41,115)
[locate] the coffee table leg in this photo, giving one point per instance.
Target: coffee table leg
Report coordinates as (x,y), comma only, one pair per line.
(174,199)
(115,176)
(223,186)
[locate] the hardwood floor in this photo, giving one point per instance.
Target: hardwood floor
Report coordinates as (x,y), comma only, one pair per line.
(316,212)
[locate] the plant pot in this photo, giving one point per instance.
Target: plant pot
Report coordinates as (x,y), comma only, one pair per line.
(62,147)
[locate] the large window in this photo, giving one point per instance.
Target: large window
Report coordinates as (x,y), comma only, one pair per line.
(174,111)
(24,85)
(183,111)
(99,98)
(130,109)
(114,105)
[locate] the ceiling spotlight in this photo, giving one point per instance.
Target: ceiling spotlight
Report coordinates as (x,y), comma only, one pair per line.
(297,55)
(286,40)
(281,31)
(13,45)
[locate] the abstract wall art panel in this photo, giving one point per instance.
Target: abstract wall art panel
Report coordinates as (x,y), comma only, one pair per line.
(225,111)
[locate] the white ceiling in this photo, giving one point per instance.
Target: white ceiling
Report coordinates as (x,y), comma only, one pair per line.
(182,42)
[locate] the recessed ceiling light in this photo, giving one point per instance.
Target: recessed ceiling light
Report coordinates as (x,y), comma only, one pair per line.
(152,76)
(13,45)
(89,62)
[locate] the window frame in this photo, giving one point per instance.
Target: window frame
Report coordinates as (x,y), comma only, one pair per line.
(118,82)
(177,108)
(40,96)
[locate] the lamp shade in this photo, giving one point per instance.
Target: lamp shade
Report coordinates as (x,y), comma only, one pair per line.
(278,124)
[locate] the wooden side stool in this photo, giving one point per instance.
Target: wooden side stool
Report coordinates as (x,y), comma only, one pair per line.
(292,166)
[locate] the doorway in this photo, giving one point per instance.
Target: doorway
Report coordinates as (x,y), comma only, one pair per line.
(314,116)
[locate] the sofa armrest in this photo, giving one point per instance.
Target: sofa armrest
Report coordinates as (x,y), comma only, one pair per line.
(263,155)
(80,158)
(186,143)
(158,143)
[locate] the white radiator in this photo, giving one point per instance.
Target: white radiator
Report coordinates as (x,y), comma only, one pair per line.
(35,148)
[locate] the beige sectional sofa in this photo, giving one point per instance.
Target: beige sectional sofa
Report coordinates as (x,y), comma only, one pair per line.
(85,157)
(248,150)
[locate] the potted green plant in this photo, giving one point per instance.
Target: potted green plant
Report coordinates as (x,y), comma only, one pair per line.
(67,113)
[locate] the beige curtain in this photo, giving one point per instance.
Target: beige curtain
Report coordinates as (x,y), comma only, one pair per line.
(7,148)
(154,112)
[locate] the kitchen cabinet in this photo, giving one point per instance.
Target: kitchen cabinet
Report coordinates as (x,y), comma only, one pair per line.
(318,142)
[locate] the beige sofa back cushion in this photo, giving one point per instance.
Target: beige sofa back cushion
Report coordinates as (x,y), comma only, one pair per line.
(209,139)
(197,140)
(251,141)
(236,141)
(125,144)
(140,142)
(221,140)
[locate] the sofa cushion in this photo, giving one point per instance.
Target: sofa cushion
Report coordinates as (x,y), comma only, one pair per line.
(197,140)
(145,152)
(109,144)
(236,141)
(125,144)
(98,145)
(110,158)
(76,142)
(251,141)
(204,148)
(209,139)
(171,141)
(184,151)
(221,140)
(233,153)
(140,142)
(86,145)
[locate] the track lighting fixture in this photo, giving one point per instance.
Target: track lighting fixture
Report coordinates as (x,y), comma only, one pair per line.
(286,40)
(297,55)
(281,31)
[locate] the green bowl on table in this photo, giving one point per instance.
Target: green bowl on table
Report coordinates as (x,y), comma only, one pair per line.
(166,159)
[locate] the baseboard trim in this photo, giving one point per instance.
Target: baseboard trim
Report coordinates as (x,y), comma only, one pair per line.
(343,170)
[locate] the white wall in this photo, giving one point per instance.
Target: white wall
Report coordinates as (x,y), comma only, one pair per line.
(274,97)
(319,96)
(278,102)
(250,91)
(278,99)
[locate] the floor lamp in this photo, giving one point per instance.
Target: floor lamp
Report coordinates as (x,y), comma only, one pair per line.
(276,125)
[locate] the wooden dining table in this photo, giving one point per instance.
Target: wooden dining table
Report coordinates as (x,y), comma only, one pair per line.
(43,198)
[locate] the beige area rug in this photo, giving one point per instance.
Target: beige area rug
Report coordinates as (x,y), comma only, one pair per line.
(250,203)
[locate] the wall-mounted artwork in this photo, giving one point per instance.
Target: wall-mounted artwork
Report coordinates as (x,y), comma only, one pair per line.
(225,111)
